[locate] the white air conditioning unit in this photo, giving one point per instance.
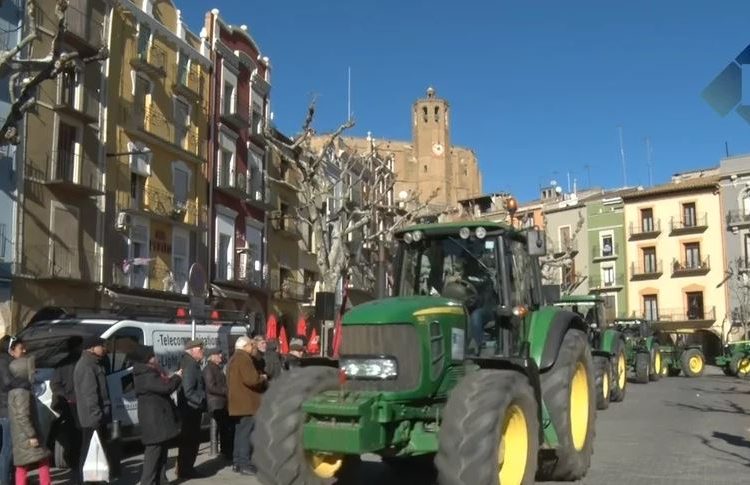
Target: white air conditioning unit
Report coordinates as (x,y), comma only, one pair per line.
(123,221)
(244,266)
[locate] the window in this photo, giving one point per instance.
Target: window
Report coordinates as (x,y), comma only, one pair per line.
(692,256)
(137,189)
(120,344)
(148,6)
(226,163)
(180,184)
(254,238)
(67,144)
(70,85)
(745,203)
(255,167)
(647,220)
(695,305)
(747,251)
(181,122)
(564,238)
(182,68)
(610,306)
(257,110)
(649,260)
(140,159)
(650,307)
(608,276)
(437,114)
(229,93)
(688,215)
(138,254)
(608,247)
(144,40)
(64,258)
(141,93)
(180,255)
(425,169)
(424,113)
(225,243)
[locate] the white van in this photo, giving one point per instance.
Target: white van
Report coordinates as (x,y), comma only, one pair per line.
(49,342)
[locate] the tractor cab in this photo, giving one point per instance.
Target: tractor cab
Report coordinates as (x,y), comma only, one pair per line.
(589,307)
(634,327)
(486,267)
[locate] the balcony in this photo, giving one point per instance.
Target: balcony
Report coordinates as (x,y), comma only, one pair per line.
(257,122)
(85,109)
(57,261)
(233,117)
(151,60)
(82,29)
(638,232)
(150,122)
(285,225)
(738,218)
(151,276)
(598,284)
(690,267)
(695,225)
(189,83)
(682,319)
(646,272)
(74,173)
(566,247)
(163,204)
(605,254)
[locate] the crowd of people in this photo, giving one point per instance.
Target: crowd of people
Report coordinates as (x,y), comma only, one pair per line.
(229,393)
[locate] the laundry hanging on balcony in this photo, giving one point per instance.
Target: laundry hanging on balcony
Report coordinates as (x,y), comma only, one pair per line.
(127,264)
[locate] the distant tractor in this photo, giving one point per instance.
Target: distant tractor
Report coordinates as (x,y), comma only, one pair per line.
(680,356)
(466,364)
(607,346)
(642,350)
(735,360)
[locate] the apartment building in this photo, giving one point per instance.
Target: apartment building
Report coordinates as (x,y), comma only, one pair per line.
(59,216)
(240,199)
(676,258)
(156,222)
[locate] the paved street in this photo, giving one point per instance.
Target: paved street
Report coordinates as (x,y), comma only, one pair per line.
(679,430)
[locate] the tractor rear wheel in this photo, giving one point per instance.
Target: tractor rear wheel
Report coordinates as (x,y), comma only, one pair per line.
(642,367)
(490,431)
(277,437)
(741,366)
(603,374)
(619,372)
(656,363)
(693,363)
(568,390)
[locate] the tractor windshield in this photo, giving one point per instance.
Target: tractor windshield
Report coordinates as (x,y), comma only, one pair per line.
(588,311)
(433,266)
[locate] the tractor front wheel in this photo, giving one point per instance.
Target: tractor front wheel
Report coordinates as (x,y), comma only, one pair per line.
(568,390)
(619,372)
(740,366)
(693,363)
(656,363)
(642,367)
(490,431)
(277,437)
(603,383)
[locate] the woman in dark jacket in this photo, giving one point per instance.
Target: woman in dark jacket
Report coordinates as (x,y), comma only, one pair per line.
(157,413)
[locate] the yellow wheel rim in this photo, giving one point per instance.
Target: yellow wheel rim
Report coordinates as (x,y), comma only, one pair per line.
(512,454)
(621,375)
(605,386)
(657,363)
(695,364)
(324,466)
(579,407)
(744,367)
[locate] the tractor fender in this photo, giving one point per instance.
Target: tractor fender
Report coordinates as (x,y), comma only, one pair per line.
(548,328)
(609,339)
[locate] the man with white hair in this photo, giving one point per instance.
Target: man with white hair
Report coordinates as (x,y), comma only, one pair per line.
(245,385)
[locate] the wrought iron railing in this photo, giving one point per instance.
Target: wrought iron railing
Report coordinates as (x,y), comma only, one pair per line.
(687,223)
(152,121)
(651,268)
(80,23)
(151,275)
(164,203)
(189,77)
(689,265)
(57,260)
(738,217)
(682,314)
(598,282)
(646,227)
(151,55)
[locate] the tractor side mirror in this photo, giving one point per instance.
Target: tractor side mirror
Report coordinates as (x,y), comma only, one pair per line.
(536,243)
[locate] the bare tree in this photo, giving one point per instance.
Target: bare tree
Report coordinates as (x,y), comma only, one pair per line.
(345,200)
(737,277)
(27,73)
(561,260)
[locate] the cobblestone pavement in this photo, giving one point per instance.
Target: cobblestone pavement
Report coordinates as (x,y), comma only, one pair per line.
(675,431)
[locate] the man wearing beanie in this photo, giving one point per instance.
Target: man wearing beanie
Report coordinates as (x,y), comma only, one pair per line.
(192,403)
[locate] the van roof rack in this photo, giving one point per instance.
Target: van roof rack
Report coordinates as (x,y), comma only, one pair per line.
(145,314)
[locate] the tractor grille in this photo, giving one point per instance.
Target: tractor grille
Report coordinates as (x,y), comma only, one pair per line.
(400,341)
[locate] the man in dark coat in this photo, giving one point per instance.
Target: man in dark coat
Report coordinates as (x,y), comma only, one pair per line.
(216,392)
(296,352)
(192,403)
(92,397)
(10,349)
(157,414)
(64,403)
(269,355)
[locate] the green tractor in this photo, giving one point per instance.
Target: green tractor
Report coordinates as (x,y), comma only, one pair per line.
(735,361)
(607,346)
(642,349)
(465,367)
(680,356)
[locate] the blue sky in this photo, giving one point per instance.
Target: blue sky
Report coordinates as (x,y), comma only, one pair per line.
(537,89)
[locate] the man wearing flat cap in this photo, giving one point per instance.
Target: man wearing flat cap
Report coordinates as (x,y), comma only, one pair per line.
(92,397)
(191,402)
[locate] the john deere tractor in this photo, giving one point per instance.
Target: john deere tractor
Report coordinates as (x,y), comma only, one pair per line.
(466,364)
(641,348)
(735,360)
(607,344)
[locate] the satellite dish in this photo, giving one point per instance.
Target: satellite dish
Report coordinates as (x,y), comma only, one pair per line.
(558,189)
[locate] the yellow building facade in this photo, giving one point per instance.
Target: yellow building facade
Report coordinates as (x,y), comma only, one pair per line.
(157,133)
(675,257)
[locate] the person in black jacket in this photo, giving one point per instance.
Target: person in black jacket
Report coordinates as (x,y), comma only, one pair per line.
(192,403)
(216,394)
(10,349)
(64,403)
(269,350)
(157,414)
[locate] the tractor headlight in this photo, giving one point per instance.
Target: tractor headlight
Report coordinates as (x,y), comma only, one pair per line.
(464,232)
(408,238)
(480,232)
(375,368)
(417,235)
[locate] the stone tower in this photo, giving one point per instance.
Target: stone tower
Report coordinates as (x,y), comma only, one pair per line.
(432,147)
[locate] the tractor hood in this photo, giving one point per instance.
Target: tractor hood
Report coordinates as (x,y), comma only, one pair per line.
(401,310)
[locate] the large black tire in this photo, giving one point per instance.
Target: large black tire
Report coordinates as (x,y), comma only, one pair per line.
(619,372)
(603,381)
(569,410)
(642,367)
(277,437)
(474,425)
(740,366)
(656,363)
(693,363)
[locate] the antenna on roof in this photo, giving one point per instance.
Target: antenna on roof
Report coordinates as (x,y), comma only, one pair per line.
(349,94)
(622,159)
(649,150)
